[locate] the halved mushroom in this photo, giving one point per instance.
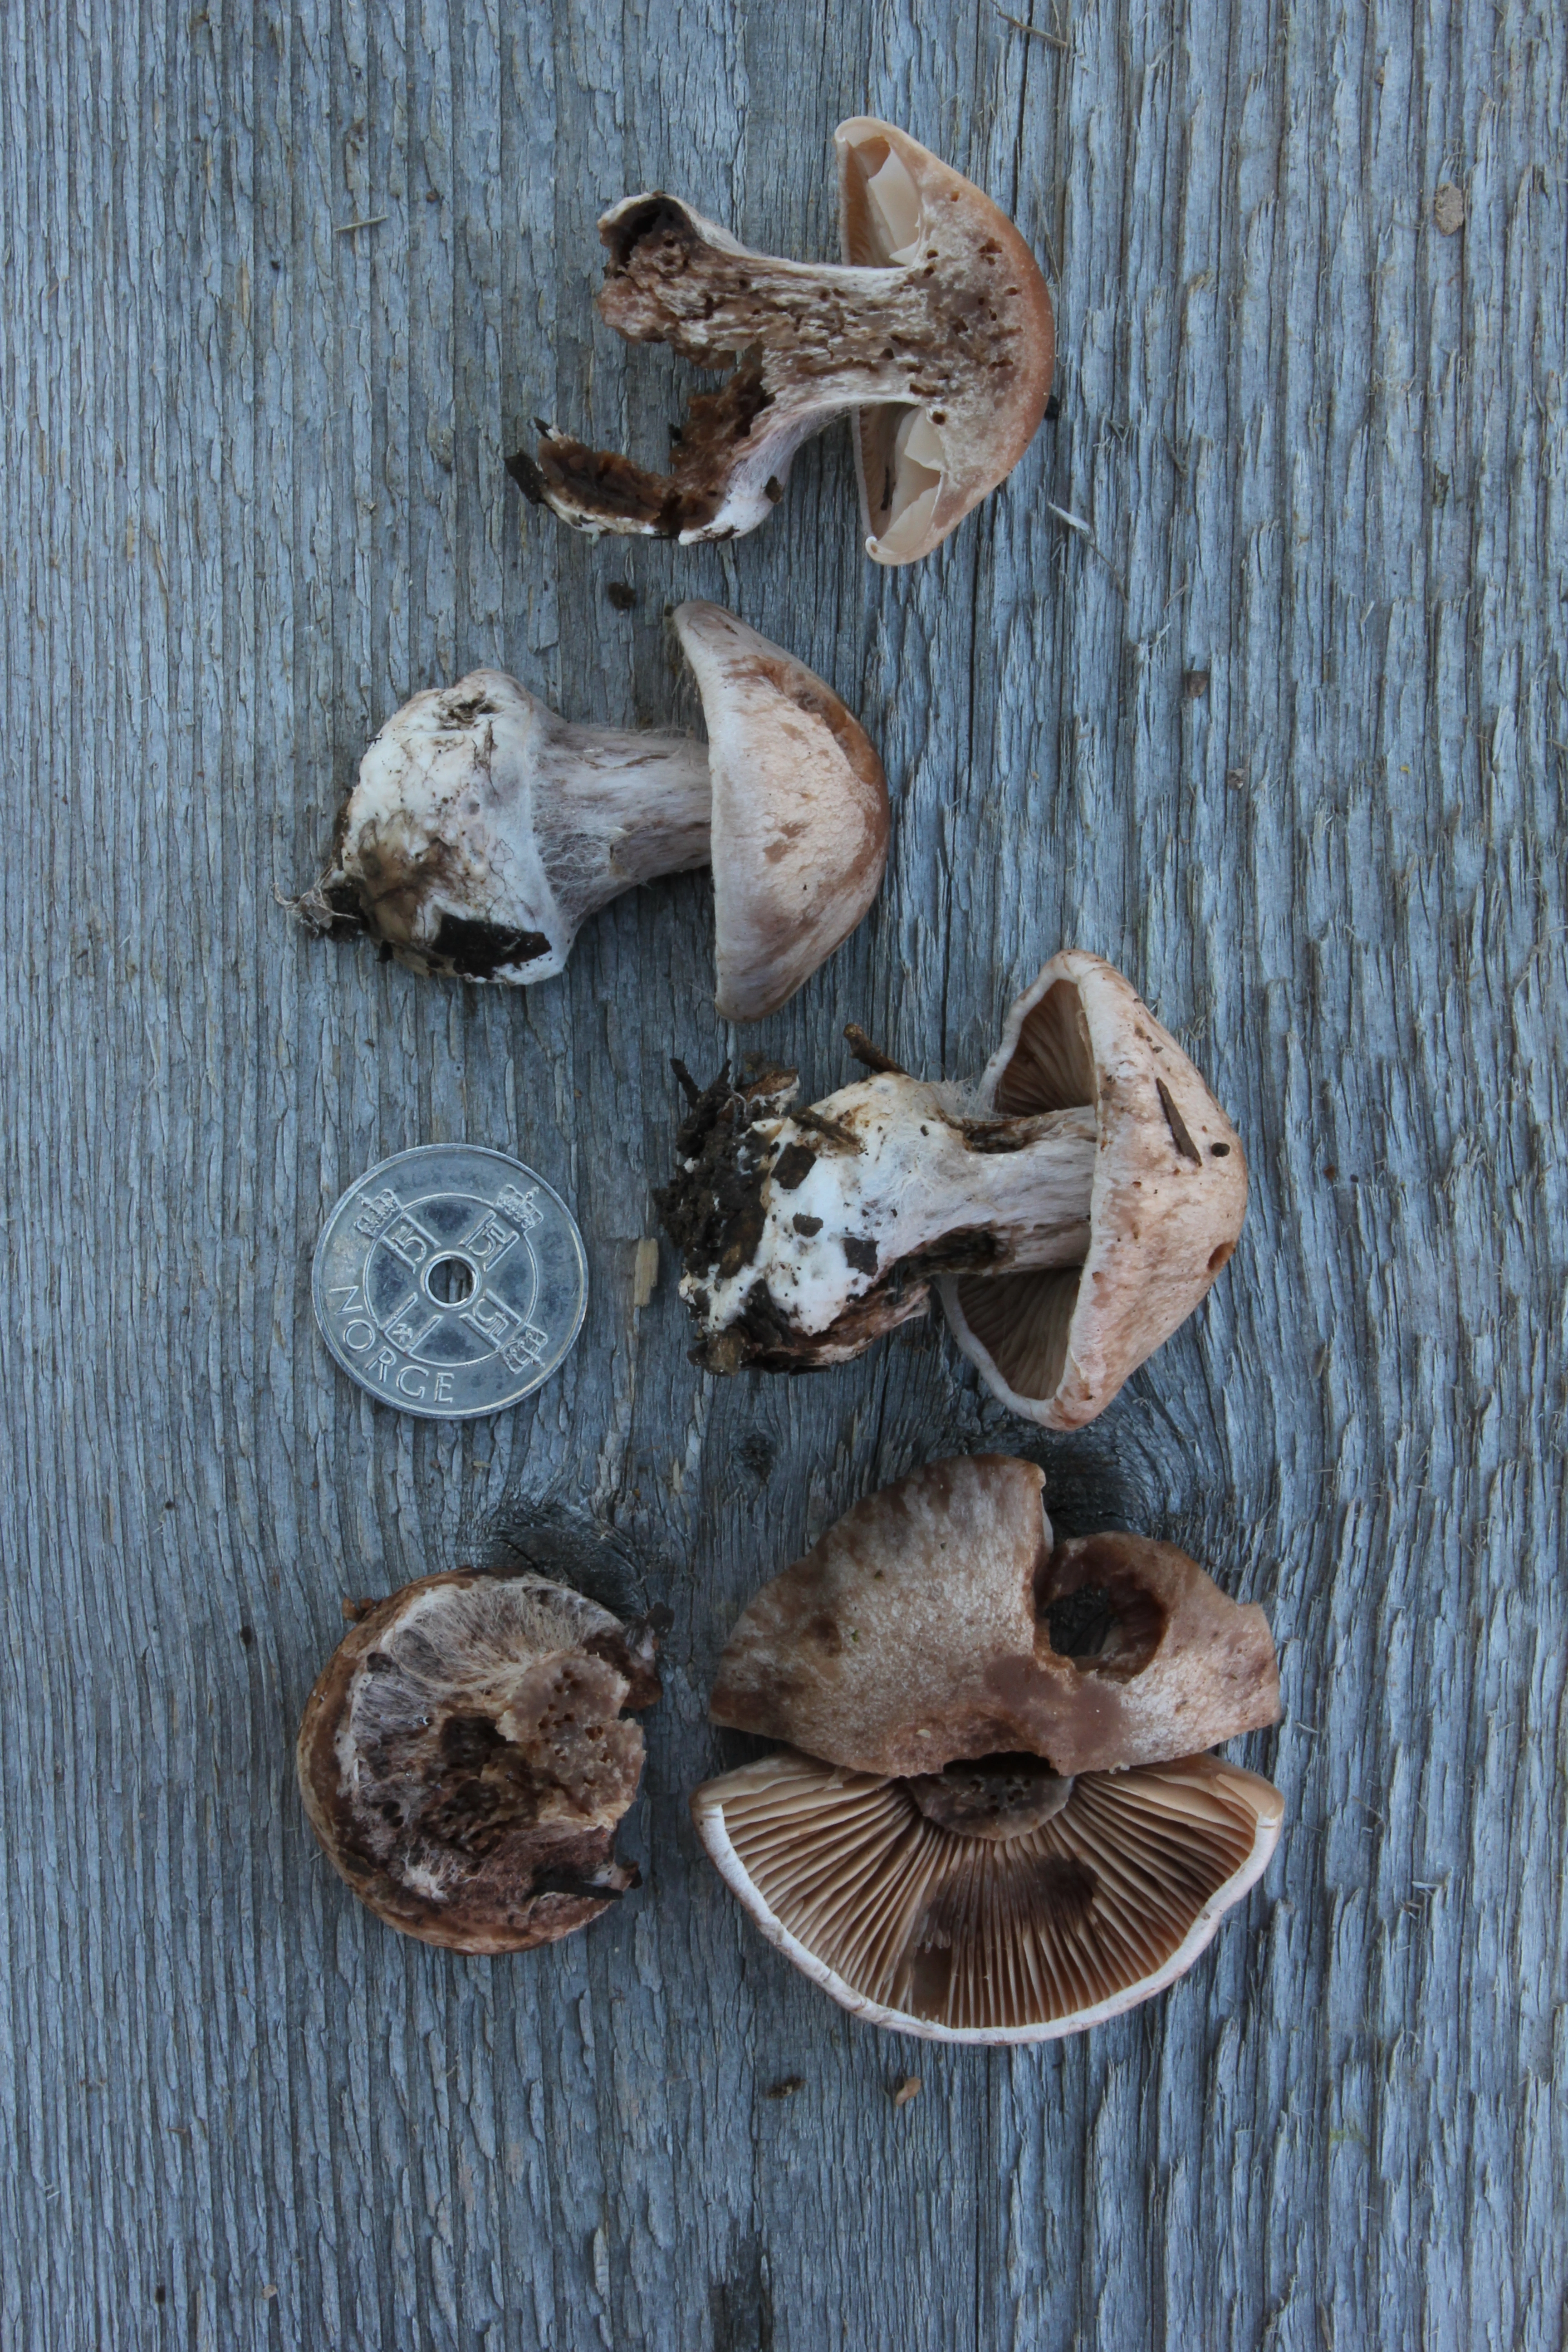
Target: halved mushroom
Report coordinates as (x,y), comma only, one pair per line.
(464,1759)
(935,335)
(483,830)
(1074,1208)
(977,1831)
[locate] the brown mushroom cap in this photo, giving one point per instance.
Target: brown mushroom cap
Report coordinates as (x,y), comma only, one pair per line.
(800,811)
(959,1937)
(923,1629)
(1169,1196)
(463,1759)
(983,418)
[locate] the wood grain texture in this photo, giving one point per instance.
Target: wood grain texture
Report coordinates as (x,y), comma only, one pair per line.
(254,497)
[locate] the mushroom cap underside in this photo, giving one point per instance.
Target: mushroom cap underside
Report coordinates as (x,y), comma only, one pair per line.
(463,1759)
(920,470)
(938,1619)
(956,1938)
(800,811)
(1169,1197)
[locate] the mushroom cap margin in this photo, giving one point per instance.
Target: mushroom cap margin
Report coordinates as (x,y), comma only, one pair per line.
(800,811)
(1007,424)
(1167,1205)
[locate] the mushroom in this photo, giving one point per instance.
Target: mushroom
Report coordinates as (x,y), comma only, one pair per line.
(989,1823)
(1039,1926)
(463,1759)
(935,335)
(1073,1209)
(483,830)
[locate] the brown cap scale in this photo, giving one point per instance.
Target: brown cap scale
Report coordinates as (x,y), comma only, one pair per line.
(483,830)
(935,335)
(465,1760)
(988,1823)
(1073,1209)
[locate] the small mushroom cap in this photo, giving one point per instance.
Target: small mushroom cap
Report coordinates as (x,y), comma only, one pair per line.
(800,811)
(463,1759)
(954,1938)
(898,203)
(1169,1196)
(921,1629)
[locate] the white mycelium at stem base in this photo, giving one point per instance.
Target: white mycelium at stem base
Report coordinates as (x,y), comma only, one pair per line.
(484,830)
(888,1173)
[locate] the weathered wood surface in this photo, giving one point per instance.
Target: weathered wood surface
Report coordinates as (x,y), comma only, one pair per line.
(253,497)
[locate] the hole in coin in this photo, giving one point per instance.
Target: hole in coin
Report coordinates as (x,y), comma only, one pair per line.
(449,1281)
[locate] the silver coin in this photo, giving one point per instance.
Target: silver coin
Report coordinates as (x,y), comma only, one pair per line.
(450,1281)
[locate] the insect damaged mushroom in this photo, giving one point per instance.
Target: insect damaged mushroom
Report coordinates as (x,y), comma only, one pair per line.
(483,830)
(934,334)
(991,1821)
(465,1759)
(1072,1209)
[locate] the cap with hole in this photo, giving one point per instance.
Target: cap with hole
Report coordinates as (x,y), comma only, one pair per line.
(938,1619)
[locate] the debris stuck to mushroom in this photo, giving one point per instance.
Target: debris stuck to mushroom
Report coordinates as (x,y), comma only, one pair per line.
(989,1823)
(935,335)
(484,830)
(465,1760)
(1073,1208)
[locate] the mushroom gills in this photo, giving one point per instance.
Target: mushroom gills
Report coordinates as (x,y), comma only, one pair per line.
(916,466)
(1023,1937)
(895,210)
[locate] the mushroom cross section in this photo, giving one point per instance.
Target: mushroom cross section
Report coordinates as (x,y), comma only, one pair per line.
(935,335)
(483,830)
(465,1760)
(913,1925)
(1075,1208)
(939,1622)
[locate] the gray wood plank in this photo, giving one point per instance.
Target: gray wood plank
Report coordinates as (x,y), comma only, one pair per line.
(254,498)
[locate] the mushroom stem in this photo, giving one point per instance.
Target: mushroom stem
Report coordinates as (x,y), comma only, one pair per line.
(484,830)
(676,279)
(626,808)
(803,1234)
